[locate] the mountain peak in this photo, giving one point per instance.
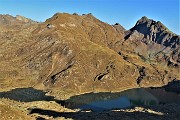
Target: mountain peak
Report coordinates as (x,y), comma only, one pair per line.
(144,19)
(11,20)
(24,19)
(63,17)
(6,19)
(119,27)
(66,18)
(156,32)
(146,22)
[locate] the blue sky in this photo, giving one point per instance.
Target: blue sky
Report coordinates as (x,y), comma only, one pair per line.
(125,12)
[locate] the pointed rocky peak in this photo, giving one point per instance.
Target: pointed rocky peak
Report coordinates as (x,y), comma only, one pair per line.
(144,19)
(149,24)
(119,27)
(156,32)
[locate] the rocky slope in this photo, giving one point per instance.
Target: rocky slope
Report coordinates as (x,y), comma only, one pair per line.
(74,54)
(161,43)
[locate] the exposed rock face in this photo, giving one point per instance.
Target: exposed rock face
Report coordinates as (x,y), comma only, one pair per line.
(77,54)
(165,43)
(156,32)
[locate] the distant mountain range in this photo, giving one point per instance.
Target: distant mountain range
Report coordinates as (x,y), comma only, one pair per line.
(74,54)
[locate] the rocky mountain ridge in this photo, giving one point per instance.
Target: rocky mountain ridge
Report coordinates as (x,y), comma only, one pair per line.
(9,20)
(74,54)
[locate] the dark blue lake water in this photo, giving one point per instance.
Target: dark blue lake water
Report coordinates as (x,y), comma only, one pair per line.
(125,99)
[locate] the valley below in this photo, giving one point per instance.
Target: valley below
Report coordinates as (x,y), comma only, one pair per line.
(140,103)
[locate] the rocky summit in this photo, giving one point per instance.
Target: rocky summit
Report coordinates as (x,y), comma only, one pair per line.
(164,42)
(74,54)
